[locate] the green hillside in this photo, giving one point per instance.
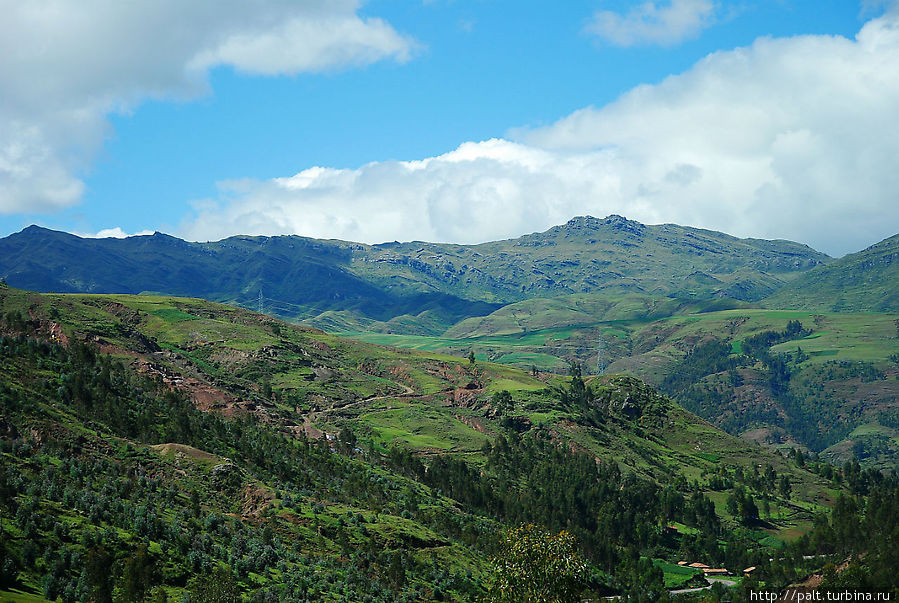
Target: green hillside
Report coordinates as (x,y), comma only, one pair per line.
(859,282)
(183,446)
(842,368)
(588,254)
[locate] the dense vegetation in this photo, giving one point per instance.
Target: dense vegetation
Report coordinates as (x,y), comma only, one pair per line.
(82,502)
(117,486)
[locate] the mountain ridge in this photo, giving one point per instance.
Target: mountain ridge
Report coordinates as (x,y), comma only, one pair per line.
(304,277)
(861,281)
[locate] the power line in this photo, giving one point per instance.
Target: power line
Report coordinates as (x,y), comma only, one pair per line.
(600,356)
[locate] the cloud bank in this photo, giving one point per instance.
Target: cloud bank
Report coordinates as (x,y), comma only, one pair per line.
(792,138)
(64,66)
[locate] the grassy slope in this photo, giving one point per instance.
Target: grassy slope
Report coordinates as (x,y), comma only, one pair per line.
(652,326)
(863,281)
(589,254)
(550,333)
(433,402)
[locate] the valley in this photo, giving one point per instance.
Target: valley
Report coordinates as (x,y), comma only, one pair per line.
(399,414)
(843,364)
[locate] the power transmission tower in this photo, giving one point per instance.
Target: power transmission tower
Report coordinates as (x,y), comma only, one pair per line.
(260,301)
(600,356)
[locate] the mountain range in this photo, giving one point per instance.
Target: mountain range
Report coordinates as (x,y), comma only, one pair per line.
(430,285)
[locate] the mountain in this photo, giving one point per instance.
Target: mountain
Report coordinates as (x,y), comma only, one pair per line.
(299,277)
(158,446)
(867,281)
(410,287)
(588,254)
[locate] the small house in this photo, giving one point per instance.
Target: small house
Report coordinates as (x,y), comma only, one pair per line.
(717,571)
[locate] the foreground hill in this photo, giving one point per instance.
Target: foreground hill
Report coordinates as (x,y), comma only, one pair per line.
(414,287)
(189,446)
(867,281)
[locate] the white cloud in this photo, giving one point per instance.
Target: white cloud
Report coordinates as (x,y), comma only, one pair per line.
(789,138)
(477,192)
(654,23)
(65,65)
(113,233)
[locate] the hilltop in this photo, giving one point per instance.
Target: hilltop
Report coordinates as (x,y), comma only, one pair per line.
(588,254)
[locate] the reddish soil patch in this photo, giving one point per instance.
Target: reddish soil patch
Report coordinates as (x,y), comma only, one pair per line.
(465,397)
(474,422)
(205,396)
(321,346)
(254,500)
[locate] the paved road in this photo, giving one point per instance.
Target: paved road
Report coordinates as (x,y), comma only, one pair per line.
(725,581)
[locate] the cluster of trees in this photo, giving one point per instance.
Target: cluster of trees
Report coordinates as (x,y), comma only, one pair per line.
(811,408)
(125,496)
(864,531)
(530,479)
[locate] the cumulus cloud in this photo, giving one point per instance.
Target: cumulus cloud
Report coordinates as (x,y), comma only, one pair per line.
(113,233)
(64,66)
(653,23)
(477,192)
(792,138)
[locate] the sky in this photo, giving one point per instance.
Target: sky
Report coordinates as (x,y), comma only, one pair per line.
(450,120)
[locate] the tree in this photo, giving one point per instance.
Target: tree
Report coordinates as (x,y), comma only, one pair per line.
(577,394)
(471,357)
(536,565)
(785,487)
(137,575)
(347,440)
(396,572)
(502,401)
(98,578)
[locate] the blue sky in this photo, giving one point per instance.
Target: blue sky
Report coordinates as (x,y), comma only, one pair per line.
(450,120)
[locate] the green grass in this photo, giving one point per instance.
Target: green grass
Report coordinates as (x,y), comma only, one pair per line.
(675,575)
(17,596)
(713,458)
(866,337)
(173,315)
(527,359)
(548,343)
(422,427)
